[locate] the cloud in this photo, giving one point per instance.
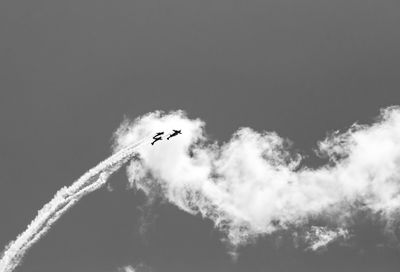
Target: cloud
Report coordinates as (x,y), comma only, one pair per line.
(320,237)
(138,268)
(127,268)
(255,185)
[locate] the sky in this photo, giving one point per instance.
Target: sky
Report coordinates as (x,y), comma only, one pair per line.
(71,71)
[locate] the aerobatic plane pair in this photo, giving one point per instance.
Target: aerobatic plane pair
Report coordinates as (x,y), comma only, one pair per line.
(158,136)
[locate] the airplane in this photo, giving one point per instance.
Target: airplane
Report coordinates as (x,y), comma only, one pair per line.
(156,140)
(157,137)
(176,132)
(158,134)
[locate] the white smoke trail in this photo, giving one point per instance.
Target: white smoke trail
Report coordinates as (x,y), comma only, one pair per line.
(63,200)
(255,185)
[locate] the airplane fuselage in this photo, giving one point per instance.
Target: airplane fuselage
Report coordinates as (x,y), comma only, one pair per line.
(156,139)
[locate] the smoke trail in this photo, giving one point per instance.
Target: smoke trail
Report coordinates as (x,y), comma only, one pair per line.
(256,185)
(63,200)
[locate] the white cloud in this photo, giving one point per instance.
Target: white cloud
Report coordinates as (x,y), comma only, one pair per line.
(252,186)
(127,268)
(320,237)
(137,268)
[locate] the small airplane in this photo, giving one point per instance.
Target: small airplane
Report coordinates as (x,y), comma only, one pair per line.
(173,134)
(157,137)
(158,134)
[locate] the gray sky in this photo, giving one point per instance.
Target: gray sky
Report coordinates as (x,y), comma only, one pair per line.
(70,71)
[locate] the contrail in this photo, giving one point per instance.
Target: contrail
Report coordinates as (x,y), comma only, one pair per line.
(64,199)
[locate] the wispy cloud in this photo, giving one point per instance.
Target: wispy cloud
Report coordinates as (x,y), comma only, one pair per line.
(320,237)
(127,268)
(137,268)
